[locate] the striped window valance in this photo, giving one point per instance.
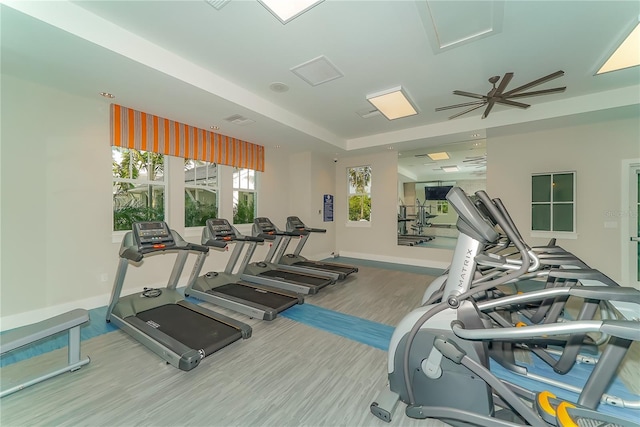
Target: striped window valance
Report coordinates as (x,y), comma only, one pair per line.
(146,132)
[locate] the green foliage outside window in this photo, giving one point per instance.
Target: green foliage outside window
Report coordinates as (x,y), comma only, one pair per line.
(197,213)
(125,216)
(138,192)
(359,208)
(243,211)
(359,193)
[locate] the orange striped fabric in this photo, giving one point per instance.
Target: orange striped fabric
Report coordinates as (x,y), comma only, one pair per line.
(146,132)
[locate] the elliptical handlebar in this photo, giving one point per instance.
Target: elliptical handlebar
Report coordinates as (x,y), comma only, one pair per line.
(625,329)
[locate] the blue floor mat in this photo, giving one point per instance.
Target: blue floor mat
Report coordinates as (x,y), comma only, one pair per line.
(354,328)
(97,326)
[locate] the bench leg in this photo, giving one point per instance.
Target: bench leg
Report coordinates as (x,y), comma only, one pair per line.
(74,346)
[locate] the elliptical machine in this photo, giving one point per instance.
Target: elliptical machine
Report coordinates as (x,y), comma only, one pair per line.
(438,354)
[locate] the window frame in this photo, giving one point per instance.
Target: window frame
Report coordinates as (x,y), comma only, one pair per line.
(117,235)
(573,234)
(369,186)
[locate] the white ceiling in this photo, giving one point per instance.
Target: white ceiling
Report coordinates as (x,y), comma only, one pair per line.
(189,62)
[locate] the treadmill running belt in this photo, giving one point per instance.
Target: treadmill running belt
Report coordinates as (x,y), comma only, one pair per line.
(303,279)
(330,267)
(190,328)
(256,295)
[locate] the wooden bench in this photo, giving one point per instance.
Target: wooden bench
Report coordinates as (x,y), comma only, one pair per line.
(29,334)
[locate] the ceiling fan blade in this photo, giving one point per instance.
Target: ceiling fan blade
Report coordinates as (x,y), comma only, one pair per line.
(535,83)
(537,92)
(466,104)
(469,94)
(503,84)
(468,110)
(512,103)
(488,110)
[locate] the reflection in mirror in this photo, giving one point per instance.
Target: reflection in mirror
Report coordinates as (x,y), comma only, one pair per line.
(424,178)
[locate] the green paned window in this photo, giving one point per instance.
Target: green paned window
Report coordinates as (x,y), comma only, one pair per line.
(541,188)
(553,202)
(541,217)
(563,187)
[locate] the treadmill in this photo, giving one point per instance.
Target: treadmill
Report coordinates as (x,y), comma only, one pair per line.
(226,288)
(180,332)
(281,277)
(294,224)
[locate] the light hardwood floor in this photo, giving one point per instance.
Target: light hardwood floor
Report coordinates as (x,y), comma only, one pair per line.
(286,374)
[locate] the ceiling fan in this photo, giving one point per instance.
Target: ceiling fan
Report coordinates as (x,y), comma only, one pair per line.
(497,95)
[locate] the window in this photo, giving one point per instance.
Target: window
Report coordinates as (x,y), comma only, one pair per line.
(138,187)
(244,196)
(442,206)
(359,202)
(200,192)
(553,202)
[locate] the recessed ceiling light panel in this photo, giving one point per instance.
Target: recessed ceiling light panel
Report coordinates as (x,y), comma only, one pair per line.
(450,168)
(626,55)
(392,103)
(438,156)
(286,10)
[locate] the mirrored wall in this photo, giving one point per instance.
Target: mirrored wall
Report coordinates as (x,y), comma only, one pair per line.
(425,218)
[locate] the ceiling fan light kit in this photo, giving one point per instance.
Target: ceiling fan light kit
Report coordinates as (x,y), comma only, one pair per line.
(497,95)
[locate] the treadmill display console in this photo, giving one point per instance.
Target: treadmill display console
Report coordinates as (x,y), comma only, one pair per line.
(152,235)
(265,225)
(219,227)
(295,222)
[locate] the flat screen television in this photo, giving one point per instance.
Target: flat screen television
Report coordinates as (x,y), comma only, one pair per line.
(437,193)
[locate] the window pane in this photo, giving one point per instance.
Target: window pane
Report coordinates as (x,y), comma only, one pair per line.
(563,217)
(200,204)
(155,165)
(359,180)
(251,179)
(541,217)
(136,202)
(243,207)
(563,187)
(200,193)
(541,188)
(189,171)
(360,208)
(236,179)
(122,164)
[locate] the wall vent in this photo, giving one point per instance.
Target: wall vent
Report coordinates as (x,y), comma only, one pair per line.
(217,4)
(239,120)
(368,113)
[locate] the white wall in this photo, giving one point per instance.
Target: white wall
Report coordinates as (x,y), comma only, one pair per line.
(595,151)
(57,245)
(377,240)
(56,198)
(55,182)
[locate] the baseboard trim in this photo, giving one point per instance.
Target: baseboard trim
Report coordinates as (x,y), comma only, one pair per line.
(396,260)
(28,317)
